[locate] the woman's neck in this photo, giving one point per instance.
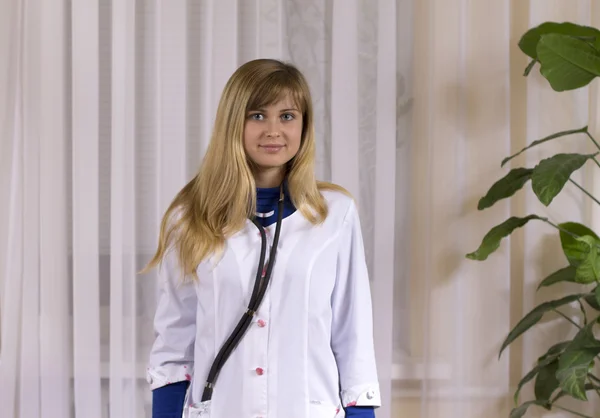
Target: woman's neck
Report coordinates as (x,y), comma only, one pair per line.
(269,177)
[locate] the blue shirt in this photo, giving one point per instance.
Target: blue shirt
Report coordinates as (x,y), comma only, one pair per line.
(267,207)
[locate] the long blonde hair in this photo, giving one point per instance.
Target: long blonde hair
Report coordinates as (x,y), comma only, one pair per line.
(216,203)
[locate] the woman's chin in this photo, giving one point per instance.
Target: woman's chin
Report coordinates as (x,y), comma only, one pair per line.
(271,163)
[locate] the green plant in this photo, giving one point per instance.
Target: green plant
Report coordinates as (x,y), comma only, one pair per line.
(569,58)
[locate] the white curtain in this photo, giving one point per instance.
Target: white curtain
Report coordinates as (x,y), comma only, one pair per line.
(472,108)
(106,109)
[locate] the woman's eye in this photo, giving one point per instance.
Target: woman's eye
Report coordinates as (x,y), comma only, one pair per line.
(256,116)
(287,116)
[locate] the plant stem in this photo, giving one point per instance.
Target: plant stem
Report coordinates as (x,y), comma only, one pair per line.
(561,229)
(570,411)
(585,320)
(567,318)
(592,138)
(589,378)
(592,377)
(585,191)
(596,161)
(597,391)
(529,67)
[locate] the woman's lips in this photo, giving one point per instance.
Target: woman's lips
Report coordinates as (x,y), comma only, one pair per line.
(272,148)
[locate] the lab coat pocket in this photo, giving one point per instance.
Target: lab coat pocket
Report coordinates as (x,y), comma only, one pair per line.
(198,410)
(321,409)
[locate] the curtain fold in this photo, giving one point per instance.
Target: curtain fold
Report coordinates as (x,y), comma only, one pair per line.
(384,201)
(55,301)
(11,210)
(85,40)
(10,40)
(30,367)
(344,100)
(171,94)
(123,371)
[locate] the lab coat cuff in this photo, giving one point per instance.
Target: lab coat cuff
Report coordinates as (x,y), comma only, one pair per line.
(362,395)
(169,373)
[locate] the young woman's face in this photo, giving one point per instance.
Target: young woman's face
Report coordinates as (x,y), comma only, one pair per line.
(272,135)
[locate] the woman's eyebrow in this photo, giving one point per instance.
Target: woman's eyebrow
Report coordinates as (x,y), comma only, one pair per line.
(262,110)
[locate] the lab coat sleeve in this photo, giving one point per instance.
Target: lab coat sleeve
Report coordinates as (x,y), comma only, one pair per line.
(352,319)
(172,355)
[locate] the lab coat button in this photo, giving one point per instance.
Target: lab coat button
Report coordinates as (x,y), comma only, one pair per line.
(259,371)
(262,323)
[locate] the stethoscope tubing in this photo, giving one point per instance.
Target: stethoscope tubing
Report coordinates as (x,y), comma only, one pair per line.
(258,293)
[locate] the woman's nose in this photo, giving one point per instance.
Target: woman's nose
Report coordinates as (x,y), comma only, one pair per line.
(273,129)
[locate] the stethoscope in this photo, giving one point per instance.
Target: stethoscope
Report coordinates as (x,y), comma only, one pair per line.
(260,287)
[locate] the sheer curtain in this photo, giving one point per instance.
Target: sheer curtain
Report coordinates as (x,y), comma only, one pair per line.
(105,112)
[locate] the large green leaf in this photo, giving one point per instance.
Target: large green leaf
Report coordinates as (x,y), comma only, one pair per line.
(545,139)
(589,269)
(575,362)
(566,274)
(491,241)
(551,356)
(520,411)
(573,369)
(506,187)
(588,387)
(529,41)
(566,62)
(575,250)
(551,174)
(534,316)
(546,382)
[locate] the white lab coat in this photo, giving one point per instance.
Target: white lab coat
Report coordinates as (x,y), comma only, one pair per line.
(309,350)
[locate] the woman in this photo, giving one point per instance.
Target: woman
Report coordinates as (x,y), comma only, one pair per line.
(265,306)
